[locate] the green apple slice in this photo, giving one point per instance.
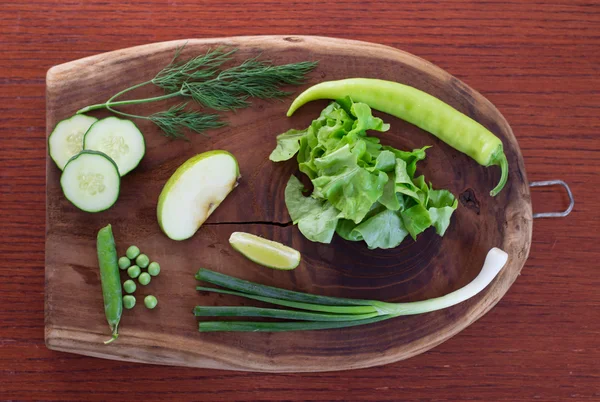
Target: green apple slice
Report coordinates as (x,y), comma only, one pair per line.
(265,252)
(194,191)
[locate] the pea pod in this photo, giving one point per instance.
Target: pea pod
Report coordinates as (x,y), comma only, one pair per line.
(111,281)
(421,109)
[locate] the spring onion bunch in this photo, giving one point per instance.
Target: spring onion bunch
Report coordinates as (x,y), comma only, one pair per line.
(311,312)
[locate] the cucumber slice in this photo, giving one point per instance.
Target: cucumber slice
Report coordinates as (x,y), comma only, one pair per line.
(120,139)
(66,140)
(91,181)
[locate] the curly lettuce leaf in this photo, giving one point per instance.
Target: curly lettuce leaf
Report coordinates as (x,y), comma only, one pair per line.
(335,129)
(411,158)
(320,226)
(316,219)
(365,120)
(362,190)
(389,196)
(422,189)
(347,186)
(385,161)
(442,205)
(401,175)
(403,182)
(345,229)
(416,219)
(384,230)
(288,145)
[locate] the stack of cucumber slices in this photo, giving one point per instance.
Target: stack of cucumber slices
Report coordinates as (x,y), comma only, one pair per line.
(93,155)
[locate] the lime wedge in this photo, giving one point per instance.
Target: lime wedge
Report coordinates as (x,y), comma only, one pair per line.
(265,252)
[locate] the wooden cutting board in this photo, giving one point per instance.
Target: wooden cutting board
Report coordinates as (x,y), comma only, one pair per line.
(430,267)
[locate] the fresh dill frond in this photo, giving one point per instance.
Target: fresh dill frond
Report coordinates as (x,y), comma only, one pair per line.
(285,74)
(174,121)
(216,95)
(200,68)
(231,89)
(202,79)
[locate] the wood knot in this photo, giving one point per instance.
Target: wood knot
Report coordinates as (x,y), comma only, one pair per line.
(292,39)
(467,199)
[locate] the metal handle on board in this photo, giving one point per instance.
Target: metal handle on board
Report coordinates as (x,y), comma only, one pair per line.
(554,183)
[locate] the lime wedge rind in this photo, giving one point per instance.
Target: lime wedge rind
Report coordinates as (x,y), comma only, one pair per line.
(265,252)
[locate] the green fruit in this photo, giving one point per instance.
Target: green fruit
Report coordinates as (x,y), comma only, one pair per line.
(265,252)
(194,191)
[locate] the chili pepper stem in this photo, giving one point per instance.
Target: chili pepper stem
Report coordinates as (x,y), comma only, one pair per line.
(500,160)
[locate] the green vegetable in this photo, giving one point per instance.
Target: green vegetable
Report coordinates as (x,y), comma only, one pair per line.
(129,286)
(362,190)
(110,279)
(144,278)
(124,263)
(154,268)
(316,219)
(132,252)
(128,302)
(347,186)
(133,271)
(91,181)
(421,109)
(383,230)
(142,260)
(66,140)
(150,302)
(440,205)
(120,139)
(312,312)
(201,79)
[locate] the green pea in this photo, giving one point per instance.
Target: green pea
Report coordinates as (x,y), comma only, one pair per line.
(129,286)
(150,302)
(124,263)
(129,301)
(144,278)
(133,271)
(142,260)
(154,268)
(132,252)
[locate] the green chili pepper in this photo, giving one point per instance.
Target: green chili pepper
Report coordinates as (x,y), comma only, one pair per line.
(421,109)
(111,281)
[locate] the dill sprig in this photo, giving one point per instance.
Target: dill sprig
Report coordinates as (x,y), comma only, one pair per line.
(173,121)
(201,79)
(231,89)
(199,68)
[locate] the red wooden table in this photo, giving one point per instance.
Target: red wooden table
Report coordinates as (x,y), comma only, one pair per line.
(536,61)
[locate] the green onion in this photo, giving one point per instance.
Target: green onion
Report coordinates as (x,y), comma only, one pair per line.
(288,303)
(323,312)
(253,326)
(206,311)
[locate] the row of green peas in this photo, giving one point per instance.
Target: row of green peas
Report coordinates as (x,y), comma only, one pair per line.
(142,261)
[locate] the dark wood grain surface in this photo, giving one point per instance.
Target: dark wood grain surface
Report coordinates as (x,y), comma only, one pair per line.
(536,61)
